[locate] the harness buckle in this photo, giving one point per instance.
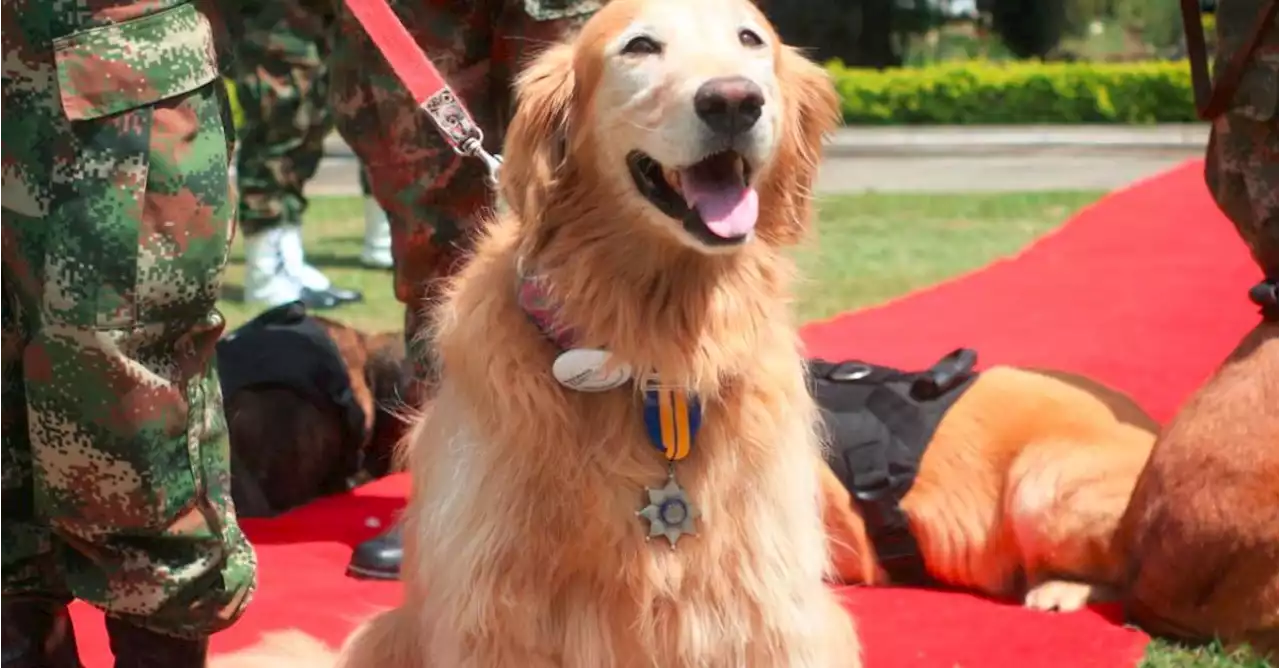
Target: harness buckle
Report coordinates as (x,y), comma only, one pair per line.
(879,503)
(945,375)
(848,372)
(1264,296)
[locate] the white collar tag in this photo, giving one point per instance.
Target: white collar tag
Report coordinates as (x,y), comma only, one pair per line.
(590,370)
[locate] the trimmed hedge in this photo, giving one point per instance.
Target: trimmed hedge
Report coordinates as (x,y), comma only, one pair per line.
(978,93)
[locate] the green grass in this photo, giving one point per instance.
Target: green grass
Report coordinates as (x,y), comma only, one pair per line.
(868,249)
(1161,654)
(872,248)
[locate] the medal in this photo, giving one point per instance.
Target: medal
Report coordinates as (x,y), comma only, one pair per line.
(670,512)
(671,418)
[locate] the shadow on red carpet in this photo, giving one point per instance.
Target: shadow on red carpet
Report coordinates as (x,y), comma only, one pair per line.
(1145,290)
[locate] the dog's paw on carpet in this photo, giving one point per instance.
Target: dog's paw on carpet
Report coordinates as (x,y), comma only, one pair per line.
(1066,596)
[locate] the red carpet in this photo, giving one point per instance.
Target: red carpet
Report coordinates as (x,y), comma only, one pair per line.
(1145,290)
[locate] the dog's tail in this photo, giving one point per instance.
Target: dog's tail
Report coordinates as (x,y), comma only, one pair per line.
(281,649)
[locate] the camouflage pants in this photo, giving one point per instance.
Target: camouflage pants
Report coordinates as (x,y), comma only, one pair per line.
(283,88)
(1241,161)
(432,196)
(116,220)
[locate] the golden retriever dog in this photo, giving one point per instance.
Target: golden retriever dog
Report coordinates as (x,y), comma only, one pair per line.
(1019,493)
(1202,532)
(655,169)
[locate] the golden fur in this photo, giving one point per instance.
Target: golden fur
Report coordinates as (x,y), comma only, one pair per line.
(1019,493)
(1201,532)
(522,543)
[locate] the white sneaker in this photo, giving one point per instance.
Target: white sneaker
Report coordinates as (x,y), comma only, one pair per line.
(265,281)
(377,236)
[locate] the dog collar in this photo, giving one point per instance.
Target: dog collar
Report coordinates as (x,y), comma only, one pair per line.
(1263,295)
(672,415)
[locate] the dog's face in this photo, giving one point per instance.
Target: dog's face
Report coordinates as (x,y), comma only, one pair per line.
(693,117)
(691,103)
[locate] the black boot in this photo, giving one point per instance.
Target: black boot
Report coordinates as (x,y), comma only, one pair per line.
(37,634)
(136,647)
(378,558)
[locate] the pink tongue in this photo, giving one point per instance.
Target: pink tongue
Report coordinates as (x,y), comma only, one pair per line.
(728,211)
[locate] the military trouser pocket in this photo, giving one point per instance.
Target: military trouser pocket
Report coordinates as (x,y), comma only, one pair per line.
(142,197)
(552,10)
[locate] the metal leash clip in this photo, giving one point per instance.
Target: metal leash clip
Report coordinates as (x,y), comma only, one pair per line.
(474,146)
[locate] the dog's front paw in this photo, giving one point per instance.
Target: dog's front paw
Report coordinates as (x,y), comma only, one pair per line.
(1061,596)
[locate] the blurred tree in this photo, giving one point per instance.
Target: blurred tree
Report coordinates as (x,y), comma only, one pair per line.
(862,33)
(1079,15)
(1030,28)
(1159,22)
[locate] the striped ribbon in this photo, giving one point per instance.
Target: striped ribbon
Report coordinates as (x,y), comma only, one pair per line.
(672,418)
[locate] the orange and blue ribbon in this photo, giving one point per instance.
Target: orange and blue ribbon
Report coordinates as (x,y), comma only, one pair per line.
(672,418)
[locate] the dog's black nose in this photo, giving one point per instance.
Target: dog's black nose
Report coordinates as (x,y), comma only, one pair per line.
(729,105)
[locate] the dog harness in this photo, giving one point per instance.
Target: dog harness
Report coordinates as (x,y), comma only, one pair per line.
(880,421)
(287,348)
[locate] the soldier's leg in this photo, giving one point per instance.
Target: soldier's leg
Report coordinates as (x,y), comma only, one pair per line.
(434,197)
(377,229)
(410,170)
(128,440)
(282,87)
(430,195)
(36,627)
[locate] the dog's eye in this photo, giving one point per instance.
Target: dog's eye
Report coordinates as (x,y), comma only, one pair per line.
(642,46)
(749,38)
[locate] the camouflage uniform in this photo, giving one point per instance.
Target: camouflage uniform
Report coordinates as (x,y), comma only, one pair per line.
(282,85)
(433,196)
(117,216)
(1240,168)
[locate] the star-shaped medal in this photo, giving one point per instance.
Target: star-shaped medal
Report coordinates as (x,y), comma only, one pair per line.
(670,512)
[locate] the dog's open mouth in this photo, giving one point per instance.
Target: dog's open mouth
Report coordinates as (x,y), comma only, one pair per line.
(713,199)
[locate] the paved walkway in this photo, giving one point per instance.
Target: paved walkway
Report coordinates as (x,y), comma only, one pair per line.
(949,159)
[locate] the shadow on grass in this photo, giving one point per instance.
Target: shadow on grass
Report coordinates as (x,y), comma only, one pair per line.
(333,261)
(233,292)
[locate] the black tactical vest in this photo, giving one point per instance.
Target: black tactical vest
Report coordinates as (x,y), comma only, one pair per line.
(879,422)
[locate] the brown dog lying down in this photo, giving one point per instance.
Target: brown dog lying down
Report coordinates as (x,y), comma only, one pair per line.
(312,408)
(1018,494)
(1201,532)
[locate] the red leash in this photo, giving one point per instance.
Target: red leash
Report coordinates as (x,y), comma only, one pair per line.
(420,76)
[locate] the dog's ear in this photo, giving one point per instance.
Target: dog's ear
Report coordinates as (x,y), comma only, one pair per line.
(535,147)
(812,110)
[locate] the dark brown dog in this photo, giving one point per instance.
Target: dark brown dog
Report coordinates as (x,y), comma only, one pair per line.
(288,448)
(1201,530)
